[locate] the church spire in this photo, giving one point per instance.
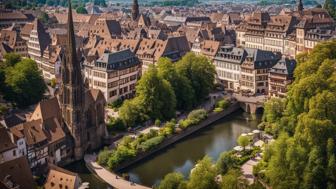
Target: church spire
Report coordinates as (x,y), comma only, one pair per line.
(135,10)
(300,6)
(71,42)
(72,90)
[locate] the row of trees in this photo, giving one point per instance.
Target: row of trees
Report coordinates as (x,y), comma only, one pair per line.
(168,87)
(293,2)
(20,80)
(303,156)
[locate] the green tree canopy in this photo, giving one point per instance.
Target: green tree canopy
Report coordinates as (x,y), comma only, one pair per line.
(11,59)
(203,175)
(25,85)
(200,72)
(172,181)
(81,10)
(243,141)
(330,6)
(155,95)
(182,86)
(304,155)
(232,179)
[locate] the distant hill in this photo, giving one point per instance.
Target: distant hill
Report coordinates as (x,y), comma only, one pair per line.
(283,2)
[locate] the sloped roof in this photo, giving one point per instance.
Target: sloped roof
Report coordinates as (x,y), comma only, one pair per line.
(15,15)
(261,58)
(60,178)
(118,60)
(18,172)
(46,109)
(5,140)
(284,66)
(33,132)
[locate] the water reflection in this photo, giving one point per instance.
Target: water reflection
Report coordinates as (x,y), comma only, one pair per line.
(182,156)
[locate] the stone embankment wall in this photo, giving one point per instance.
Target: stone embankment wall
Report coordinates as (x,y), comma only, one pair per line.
(212,117)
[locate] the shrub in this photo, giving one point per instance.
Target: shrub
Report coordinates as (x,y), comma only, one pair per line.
(116,104)
(150,143)
(104,156)
(3,109)
(193,118)
(217,110)
(167,129)
(53,82)
(115,124)
(121,154)
(223,104)
(157,122)
(197,115)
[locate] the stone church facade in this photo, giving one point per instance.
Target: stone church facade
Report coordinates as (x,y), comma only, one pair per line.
(82,109)
(63,128)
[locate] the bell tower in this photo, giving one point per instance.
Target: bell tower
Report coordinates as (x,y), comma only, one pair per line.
(300,6)
(135,10)
(72,91)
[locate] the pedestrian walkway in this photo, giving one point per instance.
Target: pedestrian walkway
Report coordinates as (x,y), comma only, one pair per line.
(247,170)
(109,177)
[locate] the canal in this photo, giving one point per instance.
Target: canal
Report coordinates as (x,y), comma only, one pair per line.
(182,156)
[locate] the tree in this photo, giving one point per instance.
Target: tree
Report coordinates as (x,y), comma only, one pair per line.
(232,179)
(243,141)
(225,162)
(81,10)
(303,156)
(185,98)
(199,71)
(130,113)
(203,175)
(156,96)
(330,6)
(274,109)
(172,181)
(11,59)
(25,83)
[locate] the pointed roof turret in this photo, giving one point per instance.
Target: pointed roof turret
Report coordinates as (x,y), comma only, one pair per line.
(135,10)
(71,42)
(300,6)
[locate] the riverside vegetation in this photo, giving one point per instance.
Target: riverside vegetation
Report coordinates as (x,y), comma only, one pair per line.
(304,124)
(161,91)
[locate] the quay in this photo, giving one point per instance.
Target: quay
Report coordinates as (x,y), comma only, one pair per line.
(109,177)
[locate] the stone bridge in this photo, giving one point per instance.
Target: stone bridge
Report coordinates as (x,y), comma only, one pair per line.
(251,104)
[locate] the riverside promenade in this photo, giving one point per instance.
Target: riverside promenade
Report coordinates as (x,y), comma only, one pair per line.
(109,177)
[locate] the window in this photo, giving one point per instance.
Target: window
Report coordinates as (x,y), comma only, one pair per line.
(113,93)
(14,153)
(113,84)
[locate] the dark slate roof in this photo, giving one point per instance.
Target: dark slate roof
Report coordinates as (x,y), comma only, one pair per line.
(284,66)
(119,60)
(230,50)
(262,59)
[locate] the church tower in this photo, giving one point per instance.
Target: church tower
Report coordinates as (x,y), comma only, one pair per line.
(300,6)
(72,91)
(135,10)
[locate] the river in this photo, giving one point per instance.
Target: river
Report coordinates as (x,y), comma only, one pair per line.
(182,156)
